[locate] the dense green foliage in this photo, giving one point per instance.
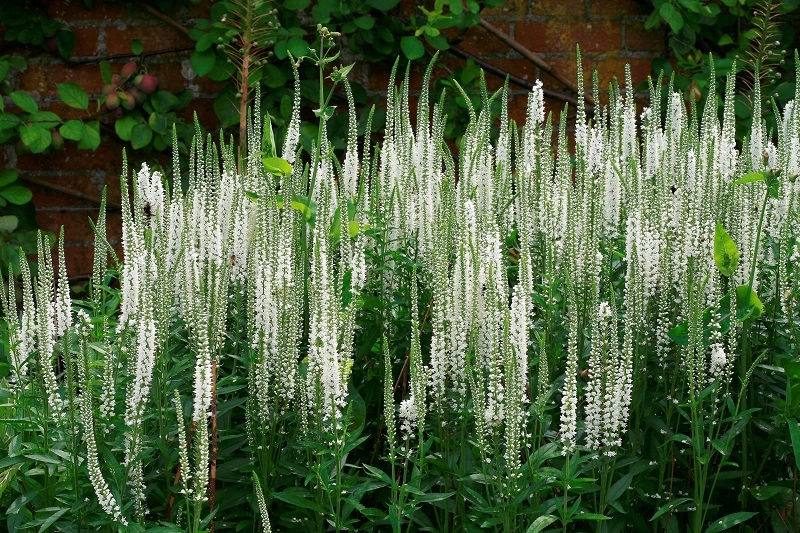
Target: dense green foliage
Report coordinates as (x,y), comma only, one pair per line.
(517,339)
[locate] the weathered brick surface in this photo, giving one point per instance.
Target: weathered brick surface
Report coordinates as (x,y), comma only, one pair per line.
(610,32)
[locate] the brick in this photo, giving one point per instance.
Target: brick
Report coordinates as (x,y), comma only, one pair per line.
(73,10)
(170,77)
(616,8)
(42,78)
(567,67)
(510,10)
(153,36)
(533,35)
(45,197)
(86,40)
(593,37)
(79,259)
(573,9)
(639,39)
(107,158)
(480,42)
(614,66)
(75,222)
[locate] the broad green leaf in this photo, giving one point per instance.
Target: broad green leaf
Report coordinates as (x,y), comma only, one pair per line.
(540,523)
(751,178)
(434,496)
(794,433)
(726,255)
(36,138)
(105,71)
(412,47)
(296,4)
(382,5)
(8,223)
(203,62)
(164,101)
(667,507)
(8,176)
(17,194)
(72,130)
(297,47)
(45,119)
(65,43)
(91,136)
(73,96)
(672,16)
(136,46)
(276,166)
(24,101)
(727,522)
(680,334)
(124,126)
(748,304)
(141,135)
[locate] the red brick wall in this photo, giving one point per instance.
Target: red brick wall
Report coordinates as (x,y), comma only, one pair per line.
(611,34)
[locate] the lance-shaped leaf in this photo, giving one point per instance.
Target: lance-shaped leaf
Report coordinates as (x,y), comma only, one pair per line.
(726,255)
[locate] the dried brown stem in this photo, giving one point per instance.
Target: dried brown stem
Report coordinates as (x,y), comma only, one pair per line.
(171,500)
(168,20)
(516,80)
(531,56)
(70,192)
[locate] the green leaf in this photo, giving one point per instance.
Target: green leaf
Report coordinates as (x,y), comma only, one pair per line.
(434,496)
(276,166)
(45,119)
(540,523)
(672,16)
(667,507)
(727,522)
(17,194)
(65,43)
(751,178)
(382,5)
(35,137)
(298,501)
(590,516)
(680,334)
(105,71)
(619,488)
(365,23)
(53,518)
(794,433)
(73,96)
(164,101)
(24,101)
(72,130)
(141,135)
(8,223)
(137,46)
(748,304)
(91,136)
(726,255)
(124,126)
(296,5)
(297,46)
(203,62)
(8,176)
(412,47)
